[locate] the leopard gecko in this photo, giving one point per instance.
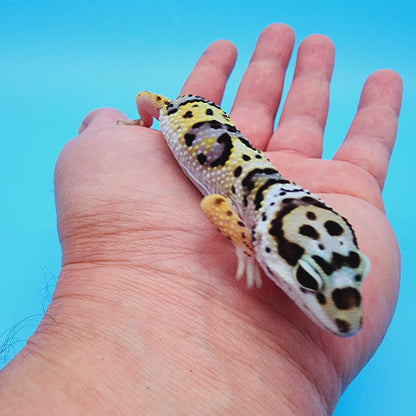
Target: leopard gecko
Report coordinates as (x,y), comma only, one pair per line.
(301,244)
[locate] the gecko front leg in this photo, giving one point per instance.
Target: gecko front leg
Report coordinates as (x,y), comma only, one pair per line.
(220,213)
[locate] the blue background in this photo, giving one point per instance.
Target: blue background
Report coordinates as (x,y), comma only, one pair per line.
(59,60)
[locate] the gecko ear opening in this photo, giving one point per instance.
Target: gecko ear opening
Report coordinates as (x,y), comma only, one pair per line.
(308,277)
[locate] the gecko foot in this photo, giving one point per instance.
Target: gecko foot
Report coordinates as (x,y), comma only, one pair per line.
(248,266)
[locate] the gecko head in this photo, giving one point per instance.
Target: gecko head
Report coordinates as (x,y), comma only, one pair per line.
(329,294)
(331,291)
(311,252)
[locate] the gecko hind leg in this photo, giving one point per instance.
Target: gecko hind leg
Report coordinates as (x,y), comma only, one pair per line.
(219,211)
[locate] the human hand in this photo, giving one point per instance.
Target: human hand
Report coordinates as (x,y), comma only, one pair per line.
(147,317)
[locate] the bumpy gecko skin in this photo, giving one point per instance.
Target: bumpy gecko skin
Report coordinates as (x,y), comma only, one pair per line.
(302,245)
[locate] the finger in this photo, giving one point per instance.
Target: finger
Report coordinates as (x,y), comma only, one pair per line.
(370,139)
(100,118)
(304,114)
(261,87)
(211,72)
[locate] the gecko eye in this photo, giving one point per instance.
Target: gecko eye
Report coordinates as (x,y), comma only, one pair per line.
(308,277)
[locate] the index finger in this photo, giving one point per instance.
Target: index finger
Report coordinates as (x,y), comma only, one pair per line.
(210,74)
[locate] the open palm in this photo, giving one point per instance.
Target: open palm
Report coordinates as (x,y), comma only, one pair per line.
(147,283)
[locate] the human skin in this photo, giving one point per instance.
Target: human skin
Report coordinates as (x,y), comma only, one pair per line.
(147,317)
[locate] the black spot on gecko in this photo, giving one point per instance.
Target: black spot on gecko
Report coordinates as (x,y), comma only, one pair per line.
(311,215)
(172,111)
(233,189)
(309,231)
(189,138)
(201,158)
(263,217)
(321,298)
(237,171)
(333,228)
(188,114)
(241,224)
(267,249)
(209,112)
(246,157)
(214,124)
(259,157)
